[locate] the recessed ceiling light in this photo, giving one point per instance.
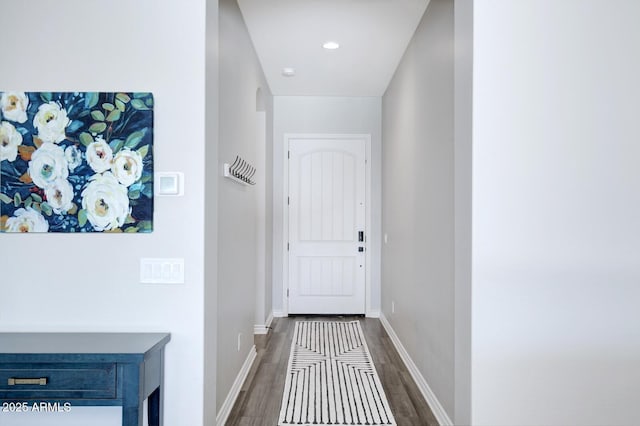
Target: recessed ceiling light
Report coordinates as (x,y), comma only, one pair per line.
(288,72)
(331,45)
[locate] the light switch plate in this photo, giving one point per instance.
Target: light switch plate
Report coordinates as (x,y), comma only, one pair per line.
(162,271)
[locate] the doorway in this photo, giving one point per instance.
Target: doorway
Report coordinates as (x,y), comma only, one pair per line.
(327,268)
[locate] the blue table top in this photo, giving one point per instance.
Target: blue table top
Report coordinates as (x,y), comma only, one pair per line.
(102,344)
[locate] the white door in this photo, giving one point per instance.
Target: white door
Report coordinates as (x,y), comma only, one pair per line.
(327,217)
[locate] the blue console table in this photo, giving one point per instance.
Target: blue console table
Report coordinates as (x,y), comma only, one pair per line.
(85,369)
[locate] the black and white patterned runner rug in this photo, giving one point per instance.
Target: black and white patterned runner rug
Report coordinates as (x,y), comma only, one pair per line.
(331,379)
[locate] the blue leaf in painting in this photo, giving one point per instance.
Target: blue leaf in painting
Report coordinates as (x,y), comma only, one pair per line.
(75,126)
(91,100)
(147,191)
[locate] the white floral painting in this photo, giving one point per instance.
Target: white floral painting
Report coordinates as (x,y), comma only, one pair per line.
(76,162)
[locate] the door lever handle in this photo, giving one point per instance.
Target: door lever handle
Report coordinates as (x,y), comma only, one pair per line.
(361,236)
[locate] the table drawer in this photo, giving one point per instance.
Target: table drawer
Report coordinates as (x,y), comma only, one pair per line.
(57,381)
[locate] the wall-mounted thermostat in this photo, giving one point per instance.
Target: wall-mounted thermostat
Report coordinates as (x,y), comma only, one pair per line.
(169,183)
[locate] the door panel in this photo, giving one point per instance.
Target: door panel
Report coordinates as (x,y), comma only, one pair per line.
(326,276)
(326,212)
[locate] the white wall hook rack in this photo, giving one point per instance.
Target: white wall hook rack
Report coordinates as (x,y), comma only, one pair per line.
(240,171)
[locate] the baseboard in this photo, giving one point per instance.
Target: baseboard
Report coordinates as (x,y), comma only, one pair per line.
(373,314)
(279,314)
(227,406)
(438,411)
(263,328)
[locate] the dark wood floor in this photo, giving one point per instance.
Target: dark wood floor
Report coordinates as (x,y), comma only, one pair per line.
(258,403)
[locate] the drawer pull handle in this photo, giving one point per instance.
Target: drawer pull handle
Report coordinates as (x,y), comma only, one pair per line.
(42,381)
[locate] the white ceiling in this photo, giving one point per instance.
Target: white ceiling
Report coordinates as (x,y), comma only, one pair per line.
(373,35)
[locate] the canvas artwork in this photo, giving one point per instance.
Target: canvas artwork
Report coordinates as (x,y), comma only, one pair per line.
(76,162)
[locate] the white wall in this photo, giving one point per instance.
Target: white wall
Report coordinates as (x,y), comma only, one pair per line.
(556,208)
(90,282)
(311,114)
(418,201)
(240,77)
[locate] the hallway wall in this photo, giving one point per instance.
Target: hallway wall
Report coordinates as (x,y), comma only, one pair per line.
(556,208)
(418,201)
(64,282)
(463,146)
(212,176)
(240,77)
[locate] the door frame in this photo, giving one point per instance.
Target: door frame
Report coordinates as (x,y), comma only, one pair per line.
(285,209)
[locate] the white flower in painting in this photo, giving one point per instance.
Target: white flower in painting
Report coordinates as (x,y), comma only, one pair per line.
(73,156)
(27,220)
(106,202)
(14,106)
(60,196)
(47,165)
(10,139)
(51,121)
(99,155)
(127,166)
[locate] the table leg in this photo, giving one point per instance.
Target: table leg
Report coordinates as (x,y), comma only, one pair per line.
(154,408)
(131,416)
(130,377)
